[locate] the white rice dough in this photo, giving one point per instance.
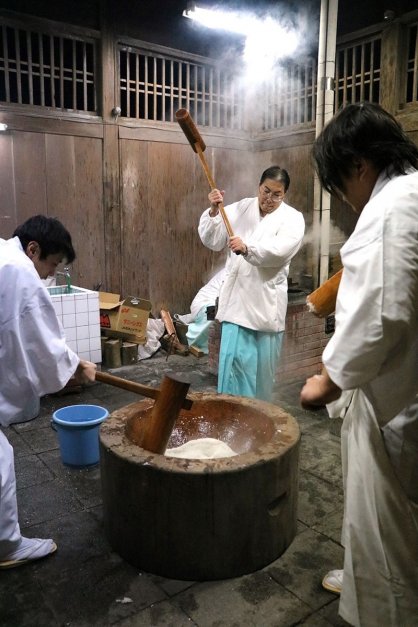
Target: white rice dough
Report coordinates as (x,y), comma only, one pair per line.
(201,448)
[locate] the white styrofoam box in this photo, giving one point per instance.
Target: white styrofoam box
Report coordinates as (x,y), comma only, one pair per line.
(79,314)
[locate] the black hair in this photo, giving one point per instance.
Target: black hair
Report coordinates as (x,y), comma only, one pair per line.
(276,173)
(49,233)
(361,131)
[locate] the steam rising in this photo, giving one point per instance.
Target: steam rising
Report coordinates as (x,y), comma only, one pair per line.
(267,40)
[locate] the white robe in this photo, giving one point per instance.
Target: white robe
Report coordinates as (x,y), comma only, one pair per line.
(374,352)
(34,360)
(259,278)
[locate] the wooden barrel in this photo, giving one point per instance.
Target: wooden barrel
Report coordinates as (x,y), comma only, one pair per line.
(207,519)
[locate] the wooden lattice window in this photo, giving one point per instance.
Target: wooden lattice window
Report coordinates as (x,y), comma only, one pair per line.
(412,64)
(48,70)
(290,96)
(154,85)
(358,72)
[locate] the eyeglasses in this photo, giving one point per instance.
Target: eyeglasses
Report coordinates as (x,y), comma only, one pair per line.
(276,196)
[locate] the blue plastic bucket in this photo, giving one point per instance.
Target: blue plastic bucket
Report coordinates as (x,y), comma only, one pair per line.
(78,433)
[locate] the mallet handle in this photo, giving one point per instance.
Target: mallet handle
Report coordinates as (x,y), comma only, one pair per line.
(133,386)
(213,186)
(188,127)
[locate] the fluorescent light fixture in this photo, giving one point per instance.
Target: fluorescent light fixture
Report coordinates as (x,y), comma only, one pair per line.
(3,127)
(266,39)
(218,19)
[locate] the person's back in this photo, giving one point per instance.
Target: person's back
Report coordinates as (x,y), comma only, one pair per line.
(371,364)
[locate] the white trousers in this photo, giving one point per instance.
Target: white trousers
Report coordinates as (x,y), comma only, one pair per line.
(10,535)
(380,530)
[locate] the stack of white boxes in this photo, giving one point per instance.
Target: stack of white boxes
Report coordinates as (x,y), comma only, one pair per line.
(79,314)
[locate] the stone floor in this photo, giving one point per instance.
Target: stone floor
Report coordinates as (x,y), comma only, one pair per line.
(86,584)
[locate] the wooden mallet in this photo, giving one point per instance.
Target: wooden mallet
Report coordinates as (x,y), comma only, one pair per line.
(188,127)
(321,302)
(155,431)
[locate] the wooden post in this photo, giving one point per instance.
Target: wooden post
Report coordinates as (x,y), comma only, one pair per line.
(111,176)
(112,356)
(392,87)
(129,353)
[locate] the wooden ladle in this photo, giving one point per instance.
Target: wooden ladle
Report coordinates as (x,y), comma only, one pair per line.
(170,398)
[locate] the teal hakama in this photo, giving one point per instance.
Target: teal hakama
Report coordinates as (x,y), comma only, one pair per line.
(198,330)
(248,361)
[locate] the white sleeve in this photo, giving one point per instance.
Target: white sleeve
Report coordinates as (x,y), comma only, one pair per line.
(50,361)
(277,250)
(212,231)
(376,314)
(34,342)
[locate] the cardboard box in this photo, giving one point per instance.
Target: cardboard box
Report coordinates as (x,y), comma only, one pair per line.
(126,319)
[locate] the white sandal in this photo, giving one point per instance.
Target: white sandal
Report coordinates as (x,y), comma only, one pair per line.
(29,549)
(333,581)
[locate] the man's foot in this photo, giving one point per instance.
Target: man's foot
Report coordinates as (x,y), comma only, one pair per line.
(333,581)
(29,549)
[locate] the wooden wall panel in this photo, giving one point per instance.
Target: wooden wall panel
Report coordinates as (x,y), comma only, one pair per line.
(74,183)
(88,231)
(136,239)
(234,172)
(8,217)
(60,179)
(177,190)
(29,175)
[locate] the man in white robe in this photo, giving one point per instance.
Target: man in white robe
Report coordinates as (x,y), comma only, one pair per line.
(34,358)
(253,297)
(364,157)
